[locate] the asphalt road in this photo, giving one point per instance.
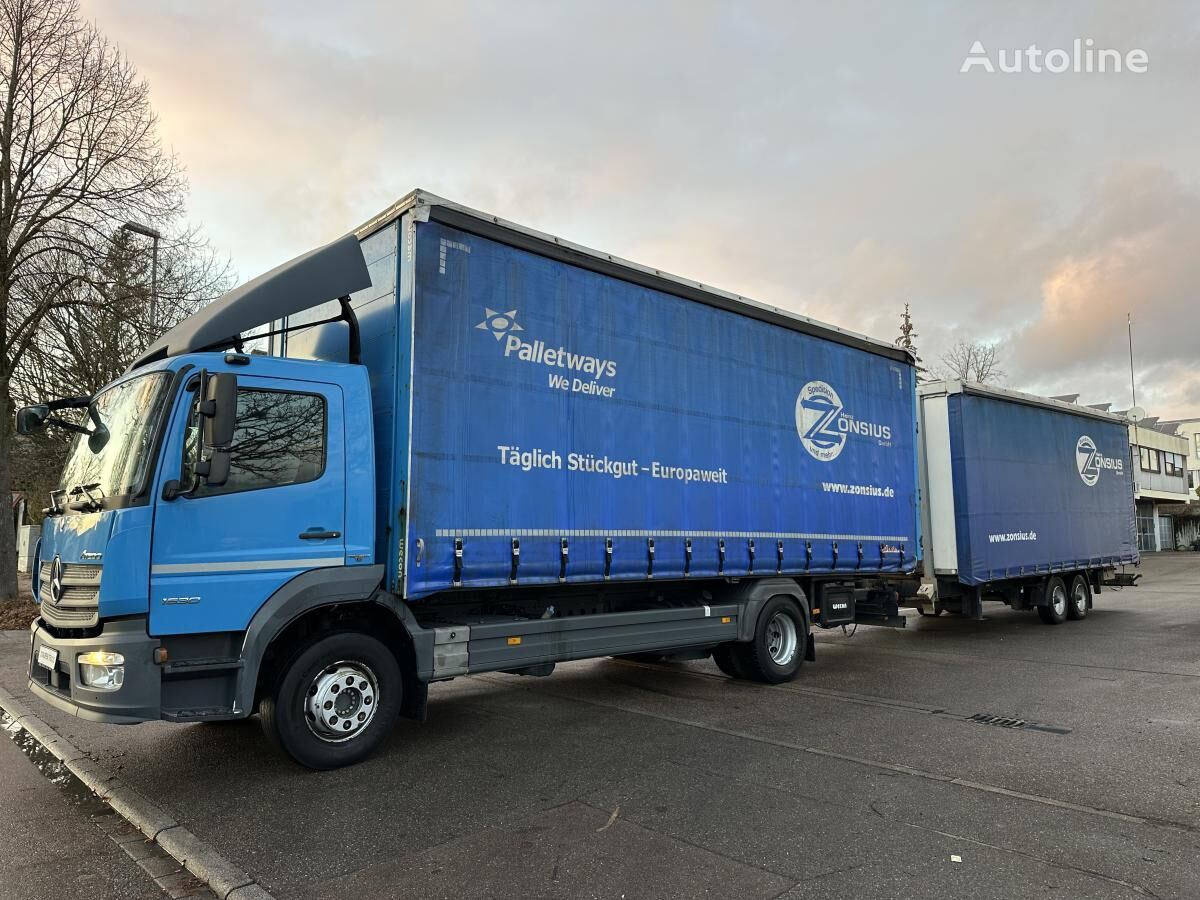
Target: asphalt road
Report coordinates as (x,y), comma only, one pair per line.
(864,778)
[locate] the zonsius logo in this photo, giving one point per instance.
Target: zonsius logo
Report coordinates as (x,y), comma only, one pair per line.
(824,425)
(1090,461)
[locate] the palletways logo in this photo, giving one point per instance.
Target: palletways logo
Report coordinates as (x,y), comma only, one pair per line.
(1091,462)
(824,424)
(568,370)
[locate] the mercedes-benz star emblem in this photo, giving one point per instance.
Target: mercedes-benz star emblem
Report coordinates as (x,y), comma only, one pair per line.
(56,579)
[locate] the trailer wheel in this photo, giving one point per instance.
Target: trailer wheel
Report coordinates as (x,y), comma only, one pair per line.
(335,700)
(777,650)
(1054,611)
(726,658)
(1079,598)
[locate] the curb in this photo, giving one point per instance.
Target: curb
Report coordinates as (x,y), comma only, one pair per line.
(224,878)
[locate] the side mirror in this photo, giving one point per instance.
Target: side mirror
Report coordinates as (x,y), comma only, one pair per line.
(218,414)
(31,418)
(219,410)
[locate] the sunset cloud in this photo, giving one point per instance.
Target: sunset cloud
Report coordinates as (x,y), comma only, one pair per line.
(830,159)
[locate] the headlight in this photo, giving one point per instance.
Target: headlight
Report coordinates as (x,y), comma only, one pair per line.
(102,670)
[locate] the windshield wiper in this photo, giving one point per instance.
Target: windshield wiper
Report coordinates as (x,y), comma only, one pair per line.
(54,509)
(90,503)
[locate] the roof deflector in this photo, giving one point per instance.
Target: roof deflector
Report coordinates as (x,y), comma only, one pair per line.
(327,273)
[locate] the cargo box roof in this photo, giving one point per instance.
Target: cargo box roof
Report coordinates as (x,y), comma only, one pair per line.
(953,386)
(338,269)
(428,206)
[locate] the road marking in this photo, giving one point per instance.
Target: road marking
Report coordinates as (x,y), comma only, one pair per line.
(898,768)
(949,654)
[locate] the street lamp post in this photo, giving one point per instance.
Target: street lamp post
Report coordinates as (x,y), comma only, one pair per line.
(155,236)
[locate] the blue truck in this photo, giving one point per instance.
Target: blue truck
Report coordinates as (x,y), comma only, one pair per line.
(473,447)
(1026,500)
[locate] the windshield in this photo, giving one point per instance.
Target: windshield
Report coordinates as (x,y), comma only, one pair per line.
(130,412)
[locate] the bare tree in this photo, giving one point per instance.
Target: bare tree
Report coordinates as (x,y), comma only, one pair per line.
(907,340)
(79,157)
(972,362)
(78,349)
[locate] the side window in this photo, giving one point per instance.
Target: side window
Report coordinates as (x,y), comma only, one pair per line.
(279,439)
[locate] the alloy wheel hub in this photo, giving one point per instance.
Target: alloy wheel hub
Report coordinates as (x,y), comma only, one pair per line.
(341,701)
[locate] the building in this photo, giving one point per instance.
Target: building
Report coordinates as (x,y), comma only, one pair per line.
(1189,429)
(1160,459)
(1187,515)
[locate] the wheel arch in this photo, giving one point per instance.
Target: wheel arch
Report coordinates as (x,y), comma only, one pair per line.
(754,594)
(323,600)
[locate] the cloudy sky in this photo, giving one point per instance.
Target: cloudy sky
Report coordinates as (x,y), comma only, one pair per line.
(831,159)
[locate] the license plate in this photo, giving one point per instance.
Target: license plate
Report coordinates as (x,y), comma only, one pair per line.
(47,657)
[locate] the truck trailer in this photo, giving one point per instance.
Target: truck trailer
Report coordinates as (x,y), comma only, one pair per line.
(474,447)
(1025,500)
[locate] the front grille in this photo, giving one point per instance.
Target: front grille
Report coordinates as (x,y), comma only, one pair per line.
(79,604)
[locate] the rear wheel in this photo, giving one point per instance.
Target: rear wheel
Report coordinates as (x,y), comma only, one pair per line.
(1054,611)
(777,650)
(727,660)
(335,700)
(1079,598)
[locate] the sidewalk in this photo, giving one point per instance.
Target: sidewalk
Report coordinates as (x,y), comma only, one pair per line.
(52,849)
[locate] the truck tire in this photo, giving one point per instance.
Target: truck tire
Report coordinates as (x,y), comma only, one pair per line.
(726,658)
(1079,598)
(1054,611)
(335,700)
(777,650)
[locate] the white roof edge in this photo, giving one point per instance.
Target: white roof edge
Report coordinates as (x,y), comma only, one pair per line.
(955,386)
(419,197)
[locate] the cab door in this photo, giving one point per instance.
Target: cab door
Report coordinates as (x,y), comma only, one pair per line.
(219,553)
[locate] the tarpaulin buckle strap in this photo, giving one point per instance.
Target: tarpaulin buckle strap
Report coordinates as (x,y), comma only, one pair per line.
(562,560)
(721,556)
(779,557)
(516,560)
(458,562)
(807,555)
(860,556)
(750,548)
(608,547)
(835,555)
(687,557)
(649,557)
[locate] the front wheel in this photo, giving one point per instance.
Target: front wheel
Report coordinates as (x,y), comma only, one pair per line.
(777,650)
(336,699)
(1054,611)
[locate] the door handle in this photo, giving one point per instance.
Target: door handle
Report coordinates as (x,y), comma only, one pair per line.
(319,535)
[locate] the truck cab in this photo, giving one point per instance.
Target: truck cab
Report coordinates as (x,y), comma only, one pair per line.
(142,556)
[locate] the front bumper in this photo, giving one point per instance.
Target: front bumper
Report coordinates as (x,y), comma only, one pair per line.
(139,699)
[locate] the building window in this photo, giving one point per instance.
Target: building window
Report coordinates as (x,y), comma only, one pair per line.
(1148,457)
(1173,464)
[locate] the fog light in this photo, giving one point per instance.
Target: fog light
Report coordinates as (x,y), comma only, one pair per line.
(102,670)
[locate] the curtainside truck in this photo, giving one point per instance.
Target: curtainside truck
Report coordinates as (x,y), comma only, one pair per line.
(474,448)
(1025,500)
